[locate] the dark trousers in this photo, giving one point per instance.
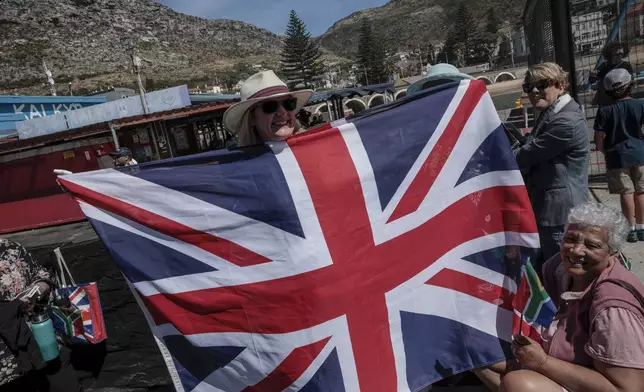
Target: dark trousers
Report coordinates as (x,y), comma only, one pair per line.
(58,376)
(550,238)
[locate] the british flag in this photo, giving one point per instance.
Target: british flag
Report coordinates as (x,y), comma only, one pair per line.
(380,253)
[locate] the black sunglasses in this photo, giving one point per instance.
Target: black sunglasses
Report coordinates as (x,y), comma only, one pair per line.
(540,85)
(270,107)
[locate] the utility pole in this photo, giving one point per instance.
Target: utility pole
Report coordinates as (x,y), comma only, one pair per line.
(136,62)
(50,79)
(136,67)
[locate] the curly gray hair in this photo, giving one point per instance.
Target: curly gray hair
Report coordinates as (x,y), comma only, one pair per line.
(600,215)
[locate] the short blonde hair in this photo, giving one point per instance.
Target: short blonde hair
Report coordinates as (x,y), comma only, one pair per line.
(548,71)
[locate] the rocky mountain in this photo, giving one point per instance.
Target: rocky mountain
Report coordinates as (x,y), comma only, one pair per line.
(409,23)
(82,41)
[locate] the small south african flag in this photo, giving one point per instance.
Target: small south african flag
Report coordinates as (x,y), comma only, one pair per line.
(533,304)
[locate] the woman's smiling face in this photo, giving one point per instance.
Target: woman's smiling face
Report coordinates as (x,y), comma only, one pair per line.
(585,252)
(275,119)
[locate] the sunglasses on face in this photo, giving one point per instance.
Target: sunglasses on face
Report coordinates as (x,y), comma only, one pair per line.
(270,107)
(540,85)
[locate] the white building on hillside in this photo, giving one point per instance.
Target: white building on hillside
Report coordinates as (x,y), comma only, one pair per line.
(589,32)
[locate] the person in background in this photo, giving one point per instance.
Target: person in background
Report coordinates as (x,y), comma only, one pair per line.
(267,110)
(24,370)
(554,157)
(596,341)
(123,157)
(614,54)
(618,134)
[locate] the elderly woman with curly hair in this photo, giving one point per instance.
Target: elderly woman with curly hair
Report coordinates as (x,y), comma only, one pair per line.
(596,342)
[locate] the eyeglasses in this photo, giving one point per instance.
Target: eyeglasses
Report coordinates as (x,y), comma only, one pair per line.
(270,107)
(540,85)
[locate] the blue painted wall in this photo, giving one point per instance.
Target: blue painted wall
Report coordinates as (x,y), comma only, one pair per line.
(23,107)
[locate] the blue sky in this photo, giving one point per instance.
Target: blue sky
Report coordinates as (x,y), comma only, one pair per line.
(318,15)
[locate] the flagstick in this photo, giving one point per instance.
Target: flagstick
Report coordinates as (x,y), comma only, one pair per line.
(520,337)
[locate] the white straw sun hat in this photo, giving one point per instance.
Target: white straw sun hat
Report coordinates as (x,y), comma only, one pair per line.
(257,88)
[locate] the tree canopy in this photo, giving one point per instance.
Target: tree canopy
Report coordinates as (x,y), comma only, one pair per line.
(301,61)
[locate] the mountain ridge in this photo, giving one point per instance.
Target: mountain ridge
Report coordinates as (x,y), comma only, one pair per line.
(411,23)
(82,41)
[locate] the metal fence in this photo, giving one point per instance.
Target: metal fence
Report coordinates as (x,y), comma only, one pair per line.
(584,29)
(537,22)
(600,27)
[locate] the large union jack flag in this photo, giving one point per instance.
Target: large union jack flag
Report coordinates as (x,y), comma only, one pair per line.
(380,253)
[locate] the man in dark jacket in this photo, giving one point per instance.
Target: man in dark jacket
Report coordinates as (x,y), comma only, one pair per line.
(554,158)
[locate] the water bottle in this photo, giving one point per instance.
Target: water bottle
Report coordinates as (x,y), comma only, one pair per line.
(43,330)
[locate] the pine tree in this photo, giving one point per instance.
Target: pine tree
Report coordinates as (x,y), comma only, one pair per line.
(464,30)
(471,45)
(301,57)
(372,56)
(452,52)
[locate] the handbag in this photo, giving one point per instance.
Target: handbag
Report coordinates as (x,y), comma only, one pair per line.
(77,312)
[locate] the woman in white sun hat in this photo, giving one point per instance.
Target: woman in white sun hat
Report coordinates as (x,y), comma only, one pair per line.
(267,110)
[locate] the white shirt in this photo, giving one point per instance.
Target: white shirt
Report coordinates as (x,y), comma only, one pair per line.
(561,102)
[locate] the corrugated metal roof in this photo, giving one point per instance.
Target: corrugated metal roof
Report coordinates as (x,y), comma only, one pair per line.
(210,98)
(172,114)
(12,144)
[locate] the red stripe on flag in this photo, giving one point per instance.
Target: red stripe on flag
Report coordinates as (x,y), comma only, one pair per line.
(291,369)
(218,246)
(526,329)
(471,285)
(433,166)
(523,295)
